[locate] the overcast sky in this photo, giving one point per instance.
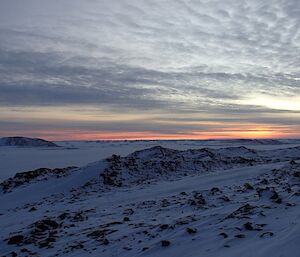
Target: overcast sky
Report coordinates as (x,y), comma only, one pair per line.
(90,69)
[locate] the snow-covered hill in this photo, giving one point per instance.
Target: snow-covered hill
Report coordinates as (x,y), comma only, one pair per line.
(232,201)
(80,153)
(25,142)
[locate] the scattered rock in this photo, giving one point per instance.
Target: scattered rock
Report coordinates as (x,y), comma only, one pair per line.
(266,234)
(248,186)
(225,198)
(105,241)
(164,226)
(215,190)
(248,226)
(46,224)
(165,243)
(240,236)
(275,197)
(126,219)
(100,233)
(128,211)
(242,212)
(223,234)
(17,239)
(191,230)
(32,209)
(27,177)
(14,254)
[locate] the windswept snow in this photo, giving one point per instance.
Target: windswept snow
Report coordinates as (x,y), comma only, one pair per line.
(80,153)
(224,201)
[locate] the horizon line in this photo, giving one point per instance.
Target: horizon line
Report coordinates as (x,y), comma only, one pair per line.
(159,139)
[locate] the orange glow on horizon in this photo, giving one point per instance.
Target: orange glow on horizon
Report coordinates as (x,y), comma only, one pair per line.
(245,132)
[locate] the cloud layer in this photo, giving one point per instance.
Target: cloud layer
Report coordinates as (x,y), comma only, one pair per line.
(230,63)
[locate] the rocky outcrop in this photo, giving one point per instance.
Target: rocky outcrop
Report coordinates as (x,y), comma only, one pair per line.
(23,178)
(159,162)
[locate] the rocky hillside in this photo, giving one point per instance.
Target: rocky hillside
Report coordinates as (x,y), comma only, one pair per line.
(157,202)
(145,166)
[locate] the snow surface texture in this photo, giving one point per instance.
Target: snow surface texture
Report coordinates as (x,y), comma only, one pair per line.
(80,153)
(232,201)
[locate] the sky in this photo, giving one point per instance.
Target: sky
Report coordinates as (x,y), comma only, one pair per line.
(153,69)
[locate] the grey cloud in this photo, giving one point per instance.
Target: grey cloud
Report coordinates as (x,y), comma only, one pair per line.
(49,79)
(150,126)
(185,56)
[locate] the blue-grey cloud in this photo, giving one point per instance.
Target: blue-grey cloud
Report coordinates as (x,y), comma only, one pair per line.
(170,56)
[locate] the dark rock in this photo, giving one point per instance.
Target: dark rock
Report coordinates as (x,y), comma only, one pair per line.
(278,200)
(63,216)
(248,186)
(164,226)
(105,241)
(223,234)
(215,190)
(17,239)
(22,178)
(248,226)
(274,195)
(198,200)
(191,230)
(240,236)
(14,254)
(128,211)
(126,219)
(32,209)
(100,233)
(46,224)
(225,198)
(242,212)
(266,234)
(297,174)
(165,243)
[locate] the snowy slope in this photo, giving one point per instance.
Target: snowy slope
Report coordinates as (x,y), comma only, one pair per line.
(80,153)
(231,201)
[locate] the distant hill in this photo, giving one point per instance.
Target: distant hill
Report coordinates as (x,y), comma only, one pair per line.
(25,141)
(255,141)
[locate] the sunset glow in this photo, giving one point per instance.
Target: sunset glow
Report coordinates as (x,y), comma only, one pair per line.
(259,133)
(110,70)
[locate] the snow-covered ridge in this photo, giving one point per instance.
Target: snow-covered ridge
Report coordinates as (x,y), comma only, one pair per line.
(157,202)
(37,175)
(254,141)
(142,166)
(163,163)
(153,164)
(80,153)
(26,142)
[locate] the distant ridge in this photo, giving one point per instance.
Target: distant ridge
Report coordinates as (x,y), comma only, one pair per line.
(26,142)
(255,141)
